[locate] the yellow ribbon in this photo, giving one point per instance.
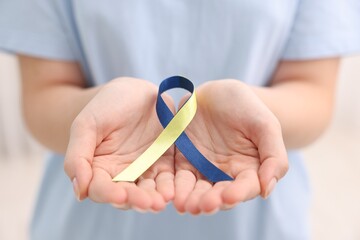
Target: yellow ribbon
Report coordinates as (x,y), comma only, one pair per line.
(162,143)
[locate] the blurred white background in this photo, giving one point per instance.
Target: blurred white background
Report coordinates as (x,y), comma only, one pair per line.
(333,161)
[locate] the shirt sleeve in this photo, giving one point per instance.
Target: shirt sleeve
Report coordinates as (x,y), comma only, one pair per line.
(35,27)
(324,28)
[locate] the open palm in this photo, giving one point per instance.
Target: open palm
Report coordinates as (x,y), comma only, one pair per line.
(234,130)
(117,126)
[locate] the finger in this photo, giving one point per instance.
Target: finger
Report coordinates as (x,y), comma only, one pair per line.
(103,190)
(123,194)
(273,158)
(192,202)
(184,184)
(271,170)
(79,156)
(149,186)
(211,201)
(165,185)
(245,187)
(138,198)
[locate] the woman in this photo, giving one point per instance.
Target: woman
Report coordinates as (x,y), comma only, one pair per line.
(286,55)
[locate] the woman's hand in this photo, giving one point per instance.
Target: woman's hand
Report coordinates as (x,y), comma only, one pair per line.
(239,134)
(113,129)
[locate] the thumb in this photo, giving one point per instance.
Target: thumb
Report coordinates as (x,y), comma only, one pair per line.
(273,158)
(79,156)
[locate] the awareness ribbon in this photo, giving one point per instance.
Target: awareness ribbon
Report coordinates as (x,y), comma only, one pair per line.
(174,132)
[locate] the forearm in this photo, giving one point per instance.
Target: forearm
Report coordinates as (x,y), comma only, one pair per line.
(50,111)
(303,109)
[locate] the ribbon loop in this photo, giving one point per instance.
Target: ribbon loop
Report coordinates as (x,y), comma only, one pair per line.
(174,132)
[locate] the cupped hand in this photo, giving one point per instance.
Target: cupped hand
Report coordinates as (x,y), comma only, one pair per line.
(239,134)
(115,127)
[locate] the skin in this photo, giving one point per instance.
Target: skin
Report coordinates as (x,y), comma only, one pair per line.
(235,130)
(108,134)
(242,129)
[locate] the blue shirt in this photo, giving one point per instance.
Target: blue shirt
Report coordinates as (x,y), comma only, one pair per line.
(202,40)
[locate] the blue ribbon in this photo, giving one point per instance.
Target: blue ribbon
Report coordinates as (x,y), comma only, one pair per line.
(183,143)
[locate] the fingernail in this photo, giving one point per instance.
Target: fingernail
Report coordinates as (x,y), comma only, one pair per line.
(76,189)
(123,206)
(139,210)
(118,205)
(211,212)
(181,213)
(270,187)
(228,206)
(154,211)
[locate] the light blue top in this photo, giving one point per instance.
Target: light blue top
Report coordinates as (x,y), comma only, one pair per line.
(202,40)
